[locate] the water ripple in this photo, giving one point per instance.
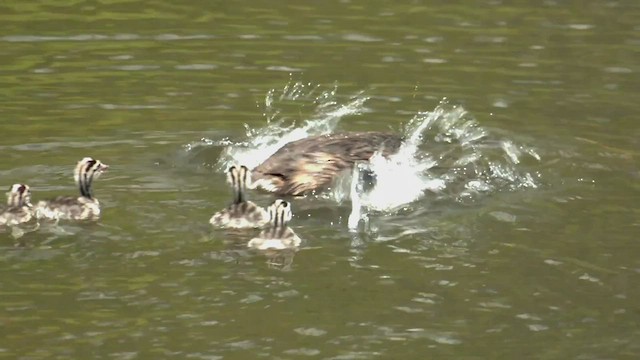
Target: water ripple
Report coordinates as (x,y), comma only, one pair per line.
(99,37)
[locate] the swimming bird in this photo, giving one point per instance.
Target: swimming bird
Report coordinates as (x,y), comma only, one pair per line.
(84,207)
(304,166)
(241,213)
(19,208)
(277,235)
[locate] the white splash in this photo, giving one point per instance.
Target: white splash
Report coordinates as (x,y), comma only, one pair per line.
(456,144)
(355,195)
(445,152)
(399,179)
(264,142)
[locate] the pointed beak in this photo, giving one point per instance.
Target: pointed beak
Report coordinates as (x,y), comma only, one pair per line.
(103,167)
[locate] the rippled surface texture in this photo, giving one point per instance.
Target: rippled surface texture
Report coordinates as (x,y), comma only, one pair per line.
(529,250)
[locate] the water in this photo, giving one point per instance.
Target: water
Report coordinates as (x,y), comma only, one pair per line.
(516,239)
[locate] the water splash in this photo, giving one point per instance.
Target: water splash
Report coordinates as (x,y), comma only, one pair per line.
(327,108)
(446,154)
(445,151)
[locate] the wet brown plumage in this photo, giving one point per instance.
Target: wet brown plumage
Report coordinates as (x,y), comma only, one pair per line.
(312,163)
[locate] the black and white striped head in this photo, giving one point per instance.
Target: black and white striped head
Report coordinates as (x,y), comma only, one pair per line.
(280,213)
(19,195)
(86,171)
(238,176)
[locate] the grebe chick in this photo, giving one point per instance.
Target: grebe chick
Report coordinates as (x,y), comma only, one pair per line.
(84,207)
(277,235)
(303,166)
(241,213)
(19,209)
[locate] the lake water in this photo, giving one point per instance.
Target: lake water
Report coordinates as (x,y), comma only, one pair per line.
(515,228)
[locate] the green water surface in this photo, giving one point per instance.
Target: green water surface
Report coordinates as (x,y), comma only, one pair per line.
(551,272)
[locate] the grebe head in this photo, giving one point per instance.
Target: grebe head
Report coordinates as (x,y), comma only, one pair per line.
(19,195)
(280,213)
(238,176)
(86,171)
